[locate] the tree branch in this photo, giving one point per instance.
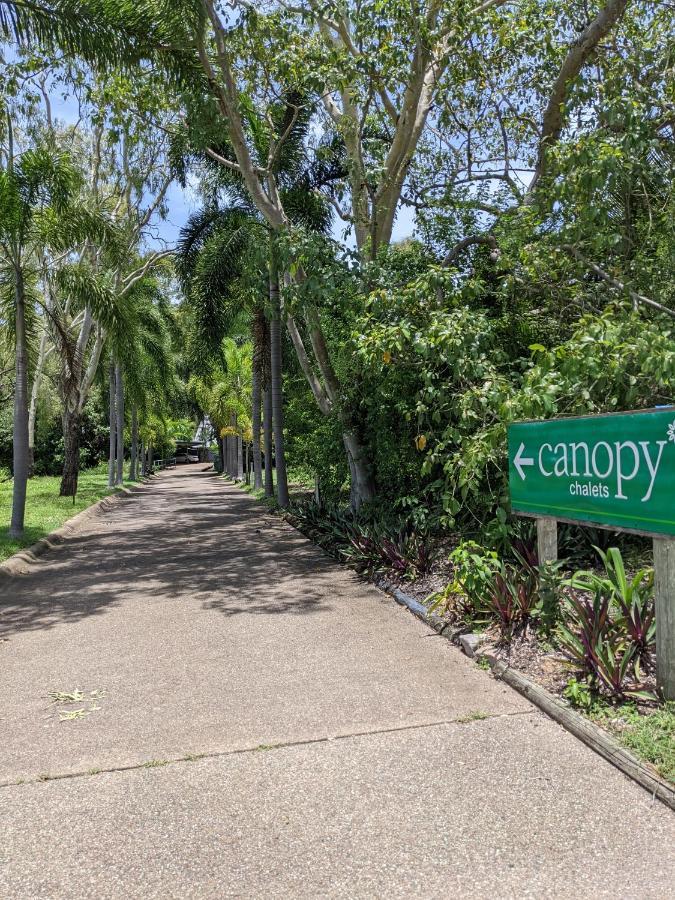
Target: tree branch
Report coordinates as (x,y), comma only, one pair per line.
(460,246)
(315,385)
(615,283)
(577,55)
(228,98)
(137,274)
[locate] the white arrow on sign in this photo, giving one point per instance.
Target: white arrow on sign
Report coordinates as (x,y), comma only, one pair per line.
(520,460)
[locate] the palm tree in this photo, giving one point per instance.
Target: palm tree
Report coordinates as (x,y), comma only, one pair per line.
(224,394)
(36,193)
(218,250)
(84,307)
(276,383)
(211,237)
(142,368)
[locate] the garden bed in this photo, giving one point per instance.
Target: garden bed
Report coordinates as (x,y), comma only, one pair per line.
(644,726)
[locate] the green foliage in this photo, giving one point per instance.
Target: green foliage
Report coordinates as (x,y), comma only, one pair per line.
(224,393)
(163,432)
(579,694)
(514,596)
(369,545)
(467,597)
(45,509)
(632,602)
(647,733)
(467,390)
(608,632)
(511,593)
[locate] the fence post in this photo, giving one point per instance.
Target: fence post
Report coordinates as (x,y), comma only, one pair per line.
(664,598)
(547,539)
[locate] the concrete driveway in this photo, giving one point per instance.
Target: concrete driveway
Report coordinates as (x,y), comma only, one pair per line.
(253,720)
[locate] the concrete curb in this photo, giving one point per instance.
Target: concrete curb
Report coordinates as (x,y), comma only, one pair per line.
(582,728)
(19,563)
(586,731)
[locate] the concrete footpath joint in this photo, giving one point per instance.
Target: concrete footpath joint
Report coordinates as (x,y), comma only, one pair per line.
(582,728)
(585,730)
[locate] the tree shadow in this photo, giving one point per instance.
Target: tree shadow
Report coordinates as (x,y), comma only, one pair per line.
(188,538)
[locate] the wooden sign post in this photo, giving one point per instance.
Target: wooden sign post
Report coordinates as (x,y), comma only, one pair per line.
(613,471)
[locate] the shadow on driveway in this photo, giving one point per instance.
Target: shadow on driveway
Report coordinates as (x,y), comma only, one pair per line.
(179,539)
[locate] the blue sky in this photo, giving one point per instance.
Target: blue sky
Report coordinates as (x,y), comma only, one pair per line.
(181,202)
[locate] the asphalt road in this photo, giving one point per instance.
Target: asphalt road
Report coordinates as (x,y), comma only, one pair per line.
(254,721)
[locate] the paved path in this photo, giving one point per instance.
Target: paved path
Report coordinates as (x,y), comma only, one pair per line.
(265,725)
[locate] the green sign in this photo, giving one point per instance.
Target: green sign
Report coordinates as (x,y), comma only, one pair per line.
(615,470)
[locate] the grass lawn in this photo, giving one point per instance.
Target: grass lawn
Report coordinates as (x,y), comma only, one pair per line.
(45,510)
(650,736)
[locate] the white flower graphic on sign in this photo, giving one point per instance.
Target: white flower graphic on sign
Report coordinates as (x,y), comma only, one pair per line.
(671,431)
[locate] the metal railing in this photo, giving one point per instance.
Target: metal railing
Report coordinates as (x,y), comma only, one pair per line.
(158,464)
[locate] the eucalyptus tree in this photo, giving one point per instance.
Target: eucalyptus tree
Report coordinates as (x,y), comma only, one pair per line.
(549,155)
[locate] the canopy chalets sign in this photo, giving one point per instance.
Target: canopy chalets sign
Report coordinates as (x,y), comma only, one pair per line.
(614,470)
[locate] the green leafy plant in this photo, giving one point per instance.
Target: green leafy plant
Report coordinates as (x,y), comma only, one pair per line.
(598,636)
(631,601)
(579,694)
(635,599)
(467,596)
(368,547)
(514,597)
(404,552)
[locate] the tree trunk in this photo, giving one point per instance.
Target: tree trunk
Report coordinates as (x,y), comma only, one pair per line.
(327,393)
(267,439)
(255,427)
(228,454)
(119,379)
(32,410)
(239,446)
(112,418)
(71,452)
(134,443)
(20,437)
(141,469)
(221,451)
(258,350)
(276,388)
(362,487)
